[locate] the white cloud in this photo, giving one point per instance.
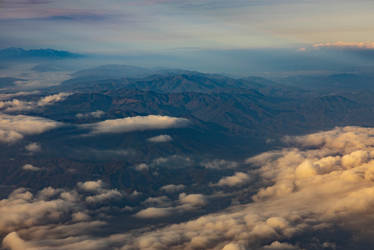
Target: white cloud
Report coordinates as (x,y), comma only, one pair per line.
(351,45)
(307,188)
(91,186)
(171,188)
(142,167)
(162,206)
(153,212)
(219,164)
(21,93)
(137,123)
(95,114)
(33,147)
(29,167)
(160,138)
(104,195)
(48,100)
(19,105)
(236,180)
(323,181)
(14,128)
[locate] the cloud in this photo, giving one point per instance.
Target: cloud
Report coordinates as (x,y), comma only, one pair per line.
(171,188)
(95,114)
(59,215)
(323,182)
(18,105)
(142,167)
(16,94)
(14,242)
(154,212)
(33,147)
(137,123)
(219,164)
(48,100)
(14,128)
(160,138)
(29,167)
(236,180)
(345,45)
(101,193)
(163,207)
(91,186)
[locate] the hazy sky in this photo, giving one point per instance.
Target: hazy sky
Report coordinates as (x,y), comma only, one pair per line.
(157,26)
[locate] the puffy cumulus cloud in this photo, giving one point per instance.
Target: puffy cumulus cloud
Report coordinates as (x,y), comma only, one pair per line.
(162,206)
(14,242)
(160,138)
(192,199)
(95,114)
(47,100)
(101,193)
(14,128)
(137,123)
(104,196)
(33,147)
(237,179)
(91,186)
(172,188)
(52,219)
(19,105)
(325,180)
(349,45)
(16,105)
(280,246)
(219,164)
(29,167)
(141,167)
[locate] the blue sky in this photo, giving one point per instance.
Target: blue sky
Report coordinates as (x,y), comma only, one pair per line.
(154,26)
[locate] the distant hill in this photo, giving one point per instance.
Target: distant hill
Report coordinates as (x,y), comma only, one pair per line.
(113,71)
(19,53)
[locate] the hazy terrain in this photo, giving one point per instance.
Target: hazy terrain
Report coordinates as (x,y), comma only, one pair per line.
(116,156)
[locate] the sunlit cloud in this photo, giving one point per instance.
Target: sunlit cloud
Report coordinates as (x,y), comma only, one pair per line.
(345,45)
(137,123)
(14,128)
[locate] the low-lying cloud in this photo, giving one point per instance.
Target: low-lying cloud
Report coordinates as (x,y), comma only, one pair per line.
(320,182)
(348,45)
(137,123)
(19,105)
(160,138)
(14,128)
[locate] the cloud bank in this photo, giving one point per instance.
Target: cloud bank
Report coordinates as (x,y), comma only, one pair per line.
(14,128)
(346,45)
(19,105)
(137,123)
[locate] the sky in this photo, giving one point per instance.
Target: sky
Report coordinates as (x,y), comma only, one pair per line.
(162,26)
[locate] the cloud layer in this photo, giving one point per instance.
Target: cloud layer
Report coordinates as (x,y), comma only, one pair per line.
(320,182)
(350,45)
